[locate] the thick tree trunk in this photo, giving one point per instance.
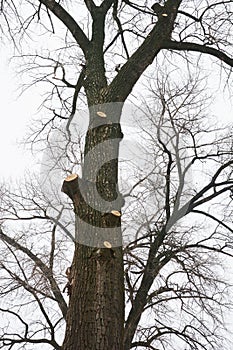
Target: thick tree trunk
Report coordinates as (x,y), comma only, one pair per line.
(95,317)
(96,309)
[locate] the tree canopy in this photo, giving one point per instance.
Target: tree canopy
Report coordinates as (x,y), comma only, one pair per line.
(140,241)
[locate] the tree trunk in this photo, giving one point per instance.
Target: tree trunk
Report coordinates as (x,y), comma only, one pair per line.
(95,318)
(96,310)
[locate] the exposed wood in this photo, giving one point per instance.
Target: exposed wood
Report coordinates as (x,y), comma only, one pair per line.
(70,185)
(116,213)
(101,114)
(107,244)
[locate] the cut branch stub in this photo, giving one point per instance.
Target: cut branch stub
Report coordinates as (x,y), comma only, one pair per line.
(70,186)
(107,244)
(101,114)
(115,213)
(80,191)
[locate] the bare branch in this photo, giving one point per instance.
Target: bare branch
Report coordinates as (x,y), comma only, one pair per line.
(68,21)
(186,46)
(144,55)
(91,6)
(47,272)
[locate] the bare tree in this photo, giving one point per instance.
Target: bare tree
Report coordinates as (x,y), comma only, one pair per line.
(175,261)
(106,48)
(186,276)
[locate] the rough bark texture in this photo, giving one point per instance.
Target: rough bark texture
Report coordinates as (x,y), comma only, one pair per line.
(96,300)
(95,317)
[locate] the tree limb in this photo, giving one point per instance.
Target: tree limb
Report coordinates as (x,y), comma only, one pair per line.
(68,21)
(187,46)
(106,4)
(47,272)
(90,5)
(220,222)
(132,70)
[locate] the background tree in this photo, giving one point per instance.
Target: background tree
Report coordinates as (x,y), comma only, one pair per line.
(95,317)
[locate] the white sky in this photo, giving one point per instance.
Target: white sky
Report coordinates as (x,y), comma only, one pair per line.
(17,113)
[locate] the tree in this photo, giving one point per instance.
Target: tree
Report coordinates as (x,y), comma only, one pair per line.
(95,318)
(181,254)
(186,272)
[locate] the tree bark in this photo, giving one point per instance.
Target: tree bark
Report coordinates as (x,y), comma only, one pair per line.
(95,318)
(96,307)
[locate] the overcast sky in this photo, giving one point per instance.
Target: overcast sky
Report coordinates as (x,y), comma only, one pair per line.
(17,113)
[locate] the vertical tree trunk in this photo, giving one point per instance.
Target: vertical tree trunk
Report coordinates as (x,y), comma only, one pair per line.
(96,310)
(95,317)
